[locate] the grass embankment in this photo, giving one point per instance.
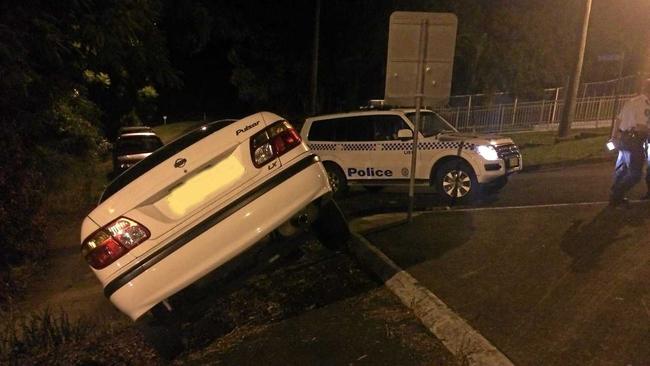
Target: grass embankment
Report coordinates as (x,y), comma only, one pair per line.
(27,332)
(543,148)
(31,334)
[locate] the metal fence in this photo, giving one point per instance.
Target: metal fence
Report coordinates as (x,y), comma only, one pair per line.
(624,85)
(591,112)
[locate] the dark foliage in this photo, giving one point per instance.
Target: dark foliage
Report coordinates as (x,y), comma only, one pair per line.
(242,57)
(68,70)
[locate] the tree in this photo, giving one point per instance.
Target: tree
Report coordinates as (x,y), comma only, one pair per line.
(63,66)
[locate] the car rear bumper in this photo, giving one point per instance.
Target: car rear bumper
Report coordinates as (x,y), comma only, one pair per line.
(219,238)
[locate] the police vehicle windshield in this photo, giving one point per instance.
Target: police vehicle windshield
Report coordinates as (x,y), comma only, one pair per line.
(432,123)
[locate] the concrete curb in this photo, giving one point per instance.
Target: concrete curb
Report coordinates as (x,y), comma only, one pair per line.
(460,338)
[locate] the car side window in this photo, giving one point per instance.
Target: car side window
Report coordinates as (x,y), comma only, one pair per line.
(323,130)
(383,127)
(335,129)
(360,128)
(386,127)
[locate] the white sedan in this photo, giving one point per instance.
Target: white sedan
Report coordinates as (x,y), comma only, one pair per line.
(201,202)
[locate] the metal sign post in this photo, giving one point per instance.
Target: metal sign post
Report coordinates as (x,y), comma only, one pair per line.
(404,61)
(419,67)
(419,94)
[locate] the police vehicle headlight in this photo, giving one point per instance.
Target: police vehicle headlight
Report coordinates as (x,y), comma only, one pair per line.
(488,152)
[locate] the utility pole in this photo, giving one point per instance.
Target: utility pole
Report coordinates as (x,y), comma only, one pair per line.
(572,91)
(314,61)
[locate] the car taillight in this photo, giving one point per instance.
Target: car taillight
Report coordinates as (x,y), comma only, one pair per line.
(273,142)
(112,241)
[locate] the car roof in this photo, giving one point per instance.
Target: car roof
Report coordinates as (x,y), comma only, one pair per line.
(365,113)
(413,110)
(127,129)
(132,134)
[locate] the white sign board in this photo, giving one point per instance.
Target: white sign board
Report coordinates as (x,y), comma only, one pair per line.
(403,51)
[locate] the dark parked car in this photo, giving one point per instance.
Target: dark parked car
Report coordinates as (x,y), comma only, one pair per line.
(133,145)
(133,129)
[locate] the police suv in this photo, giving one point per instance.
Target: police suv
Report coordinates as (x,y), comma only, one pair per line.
(373,148)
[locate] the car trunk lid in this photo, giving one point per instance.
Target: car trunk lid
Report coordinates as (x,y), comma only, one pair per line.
(181,189)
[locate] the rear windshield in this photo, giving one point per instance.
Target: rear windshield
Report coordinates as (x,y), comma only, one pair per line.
(128,145)
(161,155)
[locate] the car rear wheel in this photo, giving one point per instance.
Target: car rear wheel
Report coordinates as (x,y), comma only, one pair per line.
(331,227)
(337,179)
(162,332)
(456,182)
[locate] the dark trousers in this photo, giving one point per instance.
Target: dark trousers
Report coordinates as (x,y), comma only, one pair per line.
(629,169)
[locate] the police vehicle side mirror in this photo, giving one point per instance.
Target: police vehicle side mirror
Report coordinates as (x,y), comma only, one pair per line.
(405,134)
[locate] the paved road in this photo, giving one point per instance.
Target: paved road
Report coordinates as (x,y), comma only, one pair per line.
(582,183)
(577,184)
(552,285)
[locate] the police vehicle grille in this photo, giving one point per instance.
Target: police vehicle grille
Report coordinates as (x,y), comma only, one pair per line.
(508,150)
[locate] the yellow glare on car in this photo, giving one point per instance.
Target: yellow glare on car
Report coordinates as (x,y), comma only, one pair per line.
(204,185)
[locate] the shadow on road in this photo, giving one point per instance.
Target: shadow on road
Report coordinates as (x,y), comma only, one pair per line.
(586,242)
(427,237)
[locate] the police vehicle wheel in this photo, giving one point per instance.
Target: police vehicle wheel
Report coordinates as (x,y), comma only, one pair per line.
(337,179)
(456,181)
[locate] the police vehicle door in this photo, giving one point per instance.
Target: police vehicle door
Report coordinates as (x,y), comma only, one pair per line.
(392,158)
(355,135)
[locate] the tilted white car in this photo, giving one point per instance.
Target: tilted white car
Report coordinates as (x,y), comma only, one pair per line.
(373,148)
(202,201)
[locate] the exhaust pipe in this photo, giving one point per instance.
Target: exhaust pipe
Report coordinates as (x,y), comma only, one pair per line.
(301,222)
(303,219)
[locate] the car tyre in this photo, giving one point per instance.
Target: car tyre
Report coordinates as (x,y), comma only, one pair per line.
(337,179)
(456,181)
(162,332)
(331,227)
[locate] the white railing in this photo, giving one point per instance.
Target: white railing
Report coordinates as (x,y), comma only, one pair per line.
(624,85)
(591,112)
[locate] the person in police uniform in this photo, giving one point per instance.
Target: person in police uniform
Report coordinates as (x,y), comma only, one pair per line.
(631,133)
